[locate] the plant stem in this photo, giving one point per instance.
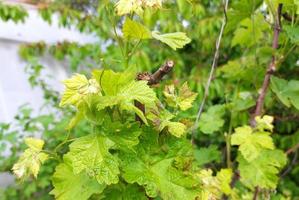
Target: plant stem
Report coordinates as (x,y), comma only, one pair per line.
(271,68)
(228,144)
(214,64)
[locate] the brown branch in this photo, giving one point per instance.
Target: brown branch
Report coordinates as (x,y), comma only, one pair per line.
(152,79)
(270,70)
(293,149)
(256,193)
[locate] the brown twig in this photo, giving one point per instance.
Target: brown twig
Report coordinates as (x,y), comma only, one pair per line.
(270,70)
(293,149)
(152,79)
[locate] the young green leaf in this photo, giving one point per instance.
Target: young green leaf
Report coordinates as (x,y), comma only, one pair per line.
(175,40)
(125,96)
(128,6)
(263,170)
(91,154)
(183,99)
(31,160)
(77,88)
(251,143)
(135,30)
(68,185)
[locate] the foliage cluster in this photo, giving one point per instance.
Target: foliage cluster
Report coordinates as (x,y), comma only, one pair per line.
(91,146)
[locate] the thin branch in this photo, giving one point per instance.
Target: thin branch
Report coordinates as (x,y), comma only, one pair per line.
(256,193)
(290,166)
(293,149)
(214,65)
(153,79)
(271,68)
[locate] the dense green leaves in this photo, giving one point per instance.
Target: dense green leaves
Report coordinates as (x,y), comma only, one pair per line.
(119,90)
(155,171)
(109,154)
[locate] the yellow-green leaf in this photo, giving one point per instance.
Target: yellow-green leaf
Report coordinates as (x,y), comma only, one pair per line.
(128,6)
(175,128)
(175,40)
(78,87)
(183,99)
(31,160)
(251,143)
(135,30)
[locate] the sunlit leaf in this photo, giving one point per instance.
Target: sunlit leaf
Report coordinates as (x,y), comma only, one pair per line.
(175,40)
(135,30)
(31,160)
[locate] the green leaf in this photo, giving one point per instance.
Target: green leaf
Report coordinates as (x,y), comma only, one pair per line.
(124,192)
(135,30)
(224,177)
(264,123)
(292,32)
(127,94)
(213,187)
(31,160)
(162,120)
(77,88)
(175,128)
(207,155)
(69,186)
(124,135)
(152,167)
(183,99)
(211,121)
(286,91)
(174,40)
(241,10)
(128,6)
(91,154)
(250,31)
(263,170)
(251,143)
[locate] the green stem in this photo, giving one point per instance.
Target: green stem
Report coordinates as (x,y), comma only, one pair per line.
(228,143)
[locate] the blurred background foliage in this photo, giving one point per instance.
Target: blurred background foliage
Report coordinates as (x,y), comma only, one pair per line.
(245,53)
